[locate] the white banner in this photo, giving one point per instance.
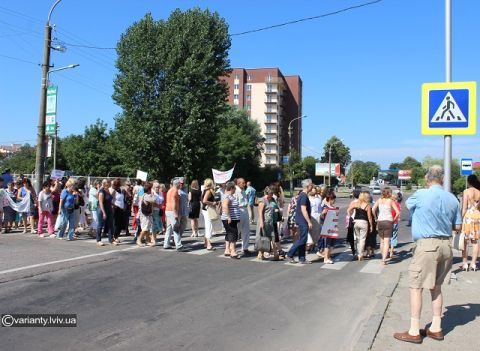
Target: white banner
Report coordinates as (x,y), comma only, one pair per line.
(220,177)
(330,225)
(142,175)
(22,206)
(57,174)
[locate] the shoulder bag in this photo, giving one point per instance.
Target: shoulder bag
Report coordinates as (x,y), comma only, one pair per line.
(262,243)
(212,213)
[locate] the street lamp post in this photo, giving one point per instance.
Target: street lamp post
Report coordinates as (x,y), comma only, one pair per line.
(290,145)
(329,164)
(41,147)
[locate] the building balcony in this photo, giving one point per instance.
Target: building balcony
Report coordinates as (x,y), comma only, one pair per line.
(271,152)
(271,121)
(271,111)
(272,101)
(274,80)
(270,141)
(271,131)
(271,91)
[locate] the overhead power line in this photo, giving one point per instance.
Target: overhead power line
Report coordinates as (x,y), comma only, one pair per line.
(89,47)
(19,59)
(306,19)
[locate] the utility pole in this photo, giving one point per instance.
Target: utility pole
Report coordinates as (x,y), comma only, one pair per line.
(41,152)
(55,147)
(41,139)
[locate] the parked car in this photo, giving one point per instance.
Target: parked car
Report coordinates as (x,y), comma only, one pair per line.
(376,190)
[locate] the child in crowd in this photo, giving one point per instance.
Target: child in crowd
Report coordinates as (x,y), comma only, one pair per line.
(45,208)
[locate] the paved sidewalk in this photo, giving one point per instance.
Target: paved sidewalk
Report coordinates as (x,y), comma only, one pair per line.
(461,319)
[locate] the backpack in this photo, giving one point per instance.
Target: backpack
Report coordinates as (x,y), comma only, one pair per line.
(146,208)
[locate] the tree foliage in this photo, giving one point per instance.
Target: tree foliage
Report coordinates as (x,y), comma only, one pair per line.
(295,168)
(309,165)
(340,152)
(95,152)
(362,172)
(240,142)
(169,91)
(22,161)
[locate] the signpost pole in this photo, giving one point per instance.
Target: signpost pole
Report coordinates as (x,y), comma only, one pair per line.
(447,153)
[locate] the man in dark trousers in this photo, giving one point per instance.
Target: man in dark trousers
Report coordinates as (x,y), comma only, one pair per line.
(302,219)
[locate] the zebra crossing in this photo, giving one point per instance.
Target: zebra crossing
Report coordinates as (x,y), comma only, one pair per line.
(341,260)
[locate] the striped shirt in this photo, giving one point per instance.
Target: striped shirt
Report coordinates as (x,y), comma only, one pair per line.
(233,209)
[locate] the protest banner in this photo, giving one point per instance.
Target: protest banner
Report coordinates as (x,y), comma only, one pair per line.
(142,175)
(221,177)
(330,224)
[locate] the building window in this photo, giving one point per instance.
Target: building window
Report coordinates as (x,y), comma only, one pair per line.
(249,87)
(269,98)
(237,76)
(269,118)
(249,107)
(235,96)
(269,87)
(269,78)
(249,77)
(249,98)
(236,86)
(269,108)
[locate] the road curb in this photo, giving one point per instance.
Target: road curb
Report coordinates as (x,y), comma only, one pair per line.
(372,326)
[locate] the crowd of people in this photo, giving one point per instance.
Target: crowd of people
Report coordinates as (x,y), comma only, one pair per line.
(65,207)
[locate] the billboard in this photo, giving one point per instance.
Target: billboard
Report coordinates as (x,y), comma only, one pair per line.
(321,169)
(405,174)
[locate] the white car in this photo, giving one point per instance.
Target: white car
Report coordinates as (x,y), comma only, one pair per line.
(376,190)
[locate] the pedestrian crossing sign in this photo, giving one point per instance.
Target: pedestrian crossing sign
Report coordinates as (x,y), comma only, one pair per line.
(449,108)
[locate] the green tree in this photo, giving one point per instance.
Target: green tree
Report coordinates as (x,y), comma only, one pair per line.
(240,143)
(22,161)
(340,152)
(170,94)
(294,169)
(362,172)
(309,164)
(93,153)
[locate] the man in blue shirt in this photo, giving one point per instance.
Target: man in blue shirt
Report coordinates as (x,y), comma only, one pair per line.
(250,192)
(436,213)
(302,219)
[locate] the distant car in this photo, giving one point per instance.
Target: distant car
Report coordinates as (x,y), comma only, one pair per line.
(376,190)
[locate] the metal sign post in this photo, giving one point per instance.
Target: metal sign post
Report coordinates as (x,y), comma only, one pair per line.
(447,153)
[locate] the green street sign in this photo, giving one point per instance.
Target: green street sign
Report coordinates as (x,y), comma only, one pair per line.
(51,118)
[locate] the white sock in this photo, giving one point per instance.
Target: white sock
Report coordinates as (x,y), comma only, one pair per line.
(436,324)
(414,327)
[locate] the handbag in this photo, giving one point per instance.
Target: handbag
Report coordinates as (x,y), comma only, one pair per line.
(459,241)
(212,213)
(262,244)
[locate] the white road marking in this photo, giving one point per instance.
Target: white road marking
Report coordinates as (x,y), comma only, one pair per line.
(199,252)
(65,260)
(339,262)
(373,267)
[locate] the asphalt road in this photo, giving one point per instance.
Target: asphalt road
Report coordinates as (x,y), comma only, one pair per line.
(130,298)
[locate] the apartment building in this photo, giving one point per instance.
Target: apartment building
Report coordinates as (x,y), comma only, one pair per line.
(273,100)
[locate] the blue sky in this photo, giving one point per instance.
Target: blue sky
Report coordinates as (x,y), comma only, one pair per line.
(362,70)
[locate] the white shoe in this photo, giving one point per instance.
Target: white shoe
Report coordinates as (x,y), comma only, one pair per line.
(328,262)
(41,235)
(99,243)
(52,236)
